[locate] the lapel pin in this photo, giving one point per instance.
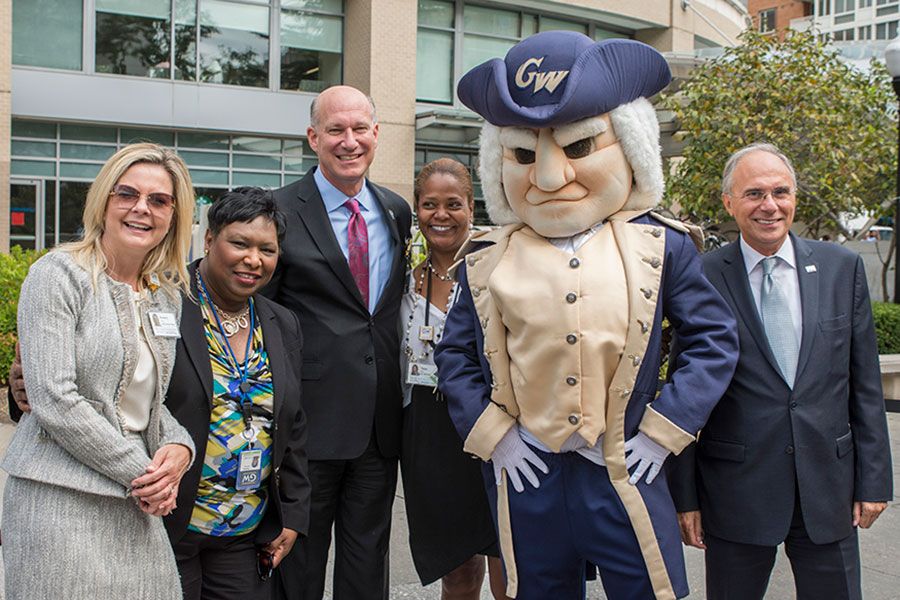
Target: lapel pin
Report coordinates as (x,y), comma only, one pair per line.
(810,268)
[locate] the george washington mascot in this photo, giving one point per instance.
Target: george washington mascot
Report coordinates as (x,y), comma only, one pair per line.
(550,357)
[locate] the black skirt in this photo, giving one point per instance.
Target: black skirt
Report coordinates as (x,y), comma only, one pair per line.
(446,504)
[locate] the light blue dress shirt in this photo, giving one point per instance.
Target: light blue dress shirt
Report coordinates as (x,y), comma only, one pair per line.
(381,244)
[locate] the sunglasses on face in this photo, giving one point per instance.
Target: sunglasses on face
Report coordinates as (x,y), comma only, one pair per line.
(126,197)
(265,564)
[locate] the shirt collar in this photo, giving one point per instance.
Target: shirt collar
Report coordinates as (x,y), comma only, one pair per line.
(752,258)
(334,198)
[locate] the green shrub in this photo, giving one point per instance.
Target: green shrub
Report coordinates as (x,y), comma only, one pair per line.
(13,269)
(887,326)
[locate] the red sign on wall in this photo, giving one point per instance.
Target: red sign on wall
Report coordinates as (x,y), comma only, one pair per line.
(17,218)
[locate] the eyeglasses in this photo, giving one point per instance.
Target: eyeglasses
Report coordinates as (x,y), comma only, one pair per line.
(779,193)
(126,197)
(265,565)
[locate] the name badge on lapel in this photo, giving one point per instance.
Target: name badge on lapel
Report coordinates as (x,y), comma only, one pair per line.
(164,324)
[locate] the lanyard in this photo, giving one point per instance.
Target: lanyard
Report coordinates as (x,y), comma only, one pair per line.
(244,387)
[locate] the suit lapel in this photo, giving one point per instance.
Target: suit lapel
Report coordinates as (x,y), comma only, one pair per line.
(272,339)
(195,345)
(397,267)
(808,278)
(735,275)
(312,212)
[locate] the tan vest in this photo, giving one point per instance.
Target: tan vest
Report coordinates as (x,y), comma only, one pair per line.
(563,341)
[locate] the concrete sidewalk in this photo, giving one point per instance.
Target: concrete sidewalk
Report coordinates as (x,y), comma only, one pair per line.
(880,548)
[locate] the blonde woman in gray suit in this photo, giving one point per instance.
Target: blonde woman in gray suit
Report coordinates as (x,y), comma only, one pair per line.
(99,458)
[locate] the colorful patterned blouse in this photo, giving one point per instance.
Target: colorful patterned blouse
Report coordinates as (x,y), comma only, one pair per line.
(220,509)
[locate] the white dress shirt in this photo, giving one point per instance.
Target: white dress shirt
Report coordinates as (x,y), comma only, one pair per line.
(785,275)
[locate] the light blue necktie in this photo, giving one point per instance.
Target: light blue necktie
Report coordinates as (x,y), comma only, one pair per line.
(776,317)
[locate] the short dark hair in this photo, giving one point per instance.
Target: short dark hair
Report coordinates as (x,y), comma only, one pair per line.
(243,205)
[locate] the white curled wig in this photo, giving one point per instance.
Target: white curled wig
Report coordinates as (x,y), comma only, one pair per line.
(636,128)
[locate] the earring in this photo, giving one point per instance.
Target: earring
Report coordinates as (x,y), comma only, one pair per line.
(205,251)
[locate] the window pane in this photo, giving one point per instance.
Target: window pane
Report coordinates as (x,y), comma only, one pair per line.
(292,163)
(47,149)
(259,179)
(477,49)
(529,25)
(435,13)
(256,144)
(33,129)
(204,159)
(71,207)
(549,24)
(209,193)
(234,43)
(133,37)
(210,141)
(87,133)
(47,33)
(85,152)
(84,171)
(130,136)
(311,51)
(49,213)
(332,6)
(209,177)
(186,40)
(249,161)
(606,34)
(32,167)
(434,66)
(492,21)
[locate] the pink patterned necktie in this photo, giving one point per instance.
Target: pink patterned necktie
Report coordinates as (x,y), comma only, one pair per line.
(358,249)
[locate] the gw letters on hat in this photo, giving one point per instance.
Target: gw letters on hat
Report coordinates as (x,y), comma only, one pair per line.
(557,77)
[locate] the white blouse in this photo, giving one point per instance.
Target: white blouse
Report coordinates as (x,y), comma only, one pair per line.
(138,396)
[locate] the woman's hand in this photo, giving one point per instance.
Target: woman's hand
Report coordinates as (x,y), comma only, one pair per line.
(280,546)
(157,489)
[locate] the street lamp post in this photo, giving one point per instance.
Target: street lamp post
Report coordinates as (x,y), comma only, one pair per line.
(892,58)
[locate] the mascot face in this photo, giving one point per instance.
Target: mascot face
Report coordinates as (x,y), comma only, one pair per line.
(561,180)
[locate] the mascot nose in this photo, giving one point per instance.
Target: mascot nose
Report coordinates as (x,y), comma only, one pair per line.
(552,169)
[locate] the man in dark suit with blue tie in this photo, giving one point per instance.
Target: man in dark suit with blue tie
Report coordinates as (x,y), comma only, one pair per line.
(342,271)
(797,450)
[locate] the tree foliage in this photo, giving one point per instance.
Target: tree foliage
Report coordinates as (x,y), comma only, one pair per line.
(837,124)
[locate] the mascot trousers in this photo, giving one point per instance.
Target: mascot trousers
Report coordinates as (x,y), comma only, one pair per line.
(574,518)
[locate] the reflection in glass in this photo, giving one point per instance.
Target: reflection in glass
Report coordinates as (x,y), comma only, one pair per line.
(435,13)
(234,43)
(23,214)
(71,205)
(133,37)
(49,213)
(311,48)
(186,40)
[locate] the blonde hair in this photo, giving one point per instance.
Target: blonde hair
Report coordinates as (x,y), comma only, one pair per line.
(168,259)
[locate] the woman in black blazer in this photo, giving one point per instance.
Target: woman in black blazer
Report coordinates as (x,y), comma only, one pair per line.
(235,388)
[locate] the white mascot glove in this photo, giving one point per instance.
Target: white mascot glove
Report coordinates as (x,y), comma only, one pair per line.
(647,455)
(513,454)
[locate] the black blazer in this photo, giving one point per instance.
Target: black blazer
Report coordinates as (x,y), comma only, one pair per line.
(190,396)
(351,371)
(828,434)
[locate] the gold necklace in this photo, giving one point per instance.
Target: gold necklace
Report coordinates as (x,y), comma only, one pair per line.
(231,322)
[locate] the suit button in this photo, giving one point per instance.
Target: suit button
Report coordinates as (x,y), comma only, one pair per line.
(369,360)
(573,419)
(793,405)
(789,449)
(571,338)
(571,380)
(571,297)
(574,263)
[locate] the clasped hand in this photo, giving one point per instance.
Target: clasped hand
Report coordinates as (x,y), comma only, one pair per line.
(157,489)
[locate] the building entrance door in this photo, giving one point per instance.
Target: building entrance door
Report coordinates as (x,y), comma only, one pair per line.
(25,228)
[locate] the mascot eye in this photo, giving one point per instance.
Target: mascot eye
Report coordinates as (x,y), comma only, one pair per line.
(579,149)
(524,156)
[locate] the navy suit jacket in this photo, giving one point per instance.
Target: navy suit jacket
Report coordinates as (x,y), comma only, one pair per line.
(824,442)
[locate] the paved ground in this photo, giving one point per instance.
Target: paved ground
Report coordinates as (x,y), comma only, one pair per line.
(880,549)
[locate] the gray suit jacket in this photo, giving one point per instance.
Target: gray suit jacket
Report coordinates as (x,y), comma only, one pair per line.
(824,442)
(79,351)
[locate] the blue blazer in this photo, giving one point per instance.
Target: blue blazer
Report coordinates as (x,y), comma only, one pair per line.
(825,441)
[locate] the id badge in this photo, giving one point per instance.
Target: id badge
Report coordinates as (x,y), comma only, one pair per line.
(164,324)
(421,374)
(249,470)
(426,333)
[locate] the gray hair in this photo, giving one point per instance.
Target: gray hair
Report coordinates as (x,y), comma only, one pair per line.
(734,159)
(314,110)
